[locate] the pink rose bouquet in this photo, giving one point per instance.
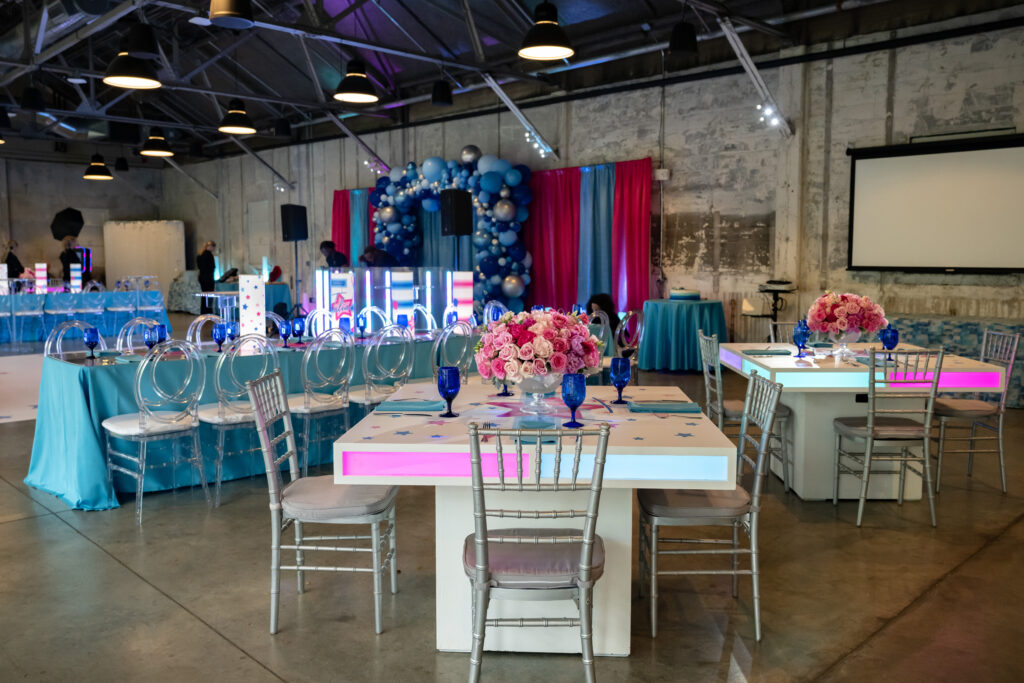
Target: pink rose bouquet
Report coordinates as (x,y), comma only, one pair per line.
(535,344)
(837,314)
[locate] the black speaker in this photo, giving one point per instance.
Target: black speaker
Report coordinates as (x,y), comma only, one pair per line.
(456,212)
(293,223)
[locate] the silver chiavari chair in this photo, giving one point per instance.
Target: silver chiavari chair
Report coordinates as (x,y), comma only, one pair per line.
(325,393)
(54,347)
(628,336)
(126,335)
(247,357)
(539,563)
(195,328)
(910,379)
(317,500)
(974,413)
(441,352)
(387,365)
(164,415)
(738,508)
(781,333)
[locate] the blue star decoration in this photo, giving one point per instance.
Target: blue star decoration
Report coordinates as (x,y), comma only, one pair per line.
(638,438)
(367,438)
(683,434)
(692,424)
(436,436)
(404,432)
(630,419)
(245,307)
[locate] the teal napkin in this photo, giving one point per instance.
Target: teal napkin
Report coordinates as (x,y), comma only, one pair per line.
(663,407)
(108,353)
(820,345)
(129,359)
(411,406)
(768,352)
(535,423)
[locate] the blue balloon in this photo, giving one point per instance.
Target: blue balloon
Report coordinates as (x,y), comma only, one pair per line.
(524,171)
(496,249)
(485,163)
(521,194)
(516,251)
(481,238)
(515,305)
(478,290)
(513,177)
(433,169)
(408,219)
(516,226)
(491,181)
(452,164)
(391,189)
(522,213)
(374,197)
(508,238)
(488,265)
(500,166)
(395,248)
(431,205)
(496,280)
(394,227)
(484,197)
(396,174)
(473,181)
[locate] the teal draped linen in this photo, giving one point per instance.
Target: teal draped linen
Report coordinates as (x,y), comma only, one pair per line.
(359,219)
(597,195)
(670,332)
(32,328)
(443,251)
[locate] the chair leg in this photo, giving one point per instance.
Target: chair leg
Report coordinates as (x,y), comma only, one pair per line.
(654,579)
(393,550)
(735,560)
(197,462)
(375,528)
(999,443)
(221,437)
(755,576)
(941,449)
(140,483)
(866,479)
(275,568)
(784,450)
(970,455)
(300,581)
(642,549)
(928,479)
(904,453)
(835,471)
(481,598)
(586,608)
(305,444)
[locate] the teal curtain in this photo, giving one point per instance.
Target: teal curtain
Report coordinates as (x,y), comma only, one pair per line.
(597,194)
(359,218)
(439,250)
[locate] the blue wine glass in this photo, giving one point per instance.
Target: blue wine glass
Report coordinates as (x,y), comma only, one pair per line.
(402,320)
(91,336)
(284,328)
(801,334)
(298,327)
(448,386)
(574,390)
(537,307)
(620,376)
(161,333)
(232,329)
(149,337)
(890,338)
(345,324)
(361,324)
(577,309)
(220,333)
(504,389)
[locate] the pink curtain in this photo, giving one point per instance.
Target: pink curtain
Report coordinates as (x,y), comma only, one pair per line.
(340,231)
(552,234)
(631,234)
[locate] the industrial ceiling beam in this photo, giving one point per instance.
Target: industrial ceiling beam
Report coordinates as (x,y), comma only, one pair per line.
(767,99)
(474,36)
(174,164)
(721,11)
(248,150)
(313,78)
(359,141)
(545,146)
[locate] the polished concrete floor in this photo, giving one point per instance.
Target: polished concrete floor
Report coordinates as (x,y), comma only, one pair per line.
(88,596)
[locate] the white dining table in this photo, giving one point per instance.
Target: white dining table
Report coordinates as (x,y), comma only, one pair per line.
(645,450)
(820,389)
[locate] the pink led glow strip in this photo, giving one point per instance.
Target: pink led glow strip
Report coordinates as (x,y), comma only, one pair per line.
(979,379)
(432,464)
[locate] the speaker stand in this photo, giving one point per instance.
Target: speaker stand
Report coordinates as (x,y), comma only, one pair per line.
(295,294)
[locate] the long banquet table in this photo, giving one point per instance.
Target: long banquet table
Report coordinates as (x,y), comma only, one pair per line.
(645,450)
(34,328)
(818,390)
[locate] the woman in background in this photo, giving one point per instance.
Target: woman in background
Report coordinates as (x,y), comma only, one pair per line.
(205,264)
(604,302)
(14,267)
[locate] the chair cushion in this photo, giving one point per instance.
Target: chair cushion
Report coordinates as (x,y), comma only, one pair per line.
(688,504)
(128,424)
(319,499)
(733,409)
(893,428)
(210,414)
(297,404)
(964,408)
(533,565)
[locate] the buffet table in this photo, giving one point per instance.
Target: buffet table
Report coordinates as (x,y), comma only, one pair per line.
(645,450)
(669,341)
(34,328)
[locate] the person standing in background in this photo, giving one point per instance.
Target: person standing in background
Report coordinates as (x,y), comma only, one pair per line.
(69,256)
(334,258)
(206,264)
(14,267)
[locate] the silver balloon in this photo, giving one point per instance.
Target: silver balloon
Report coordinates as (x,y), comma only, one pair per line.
(469,154)
(504,210)
(513,286)
(388,214)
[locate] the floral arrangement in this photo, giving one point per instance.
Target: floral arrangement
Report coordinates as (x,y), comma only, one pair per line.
(520,346)
(838,314)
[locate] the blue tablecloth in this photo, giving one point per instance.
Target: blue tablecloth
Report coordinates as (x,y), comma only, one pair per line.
(277,293)
(34,328)
(670,332)
(68,452)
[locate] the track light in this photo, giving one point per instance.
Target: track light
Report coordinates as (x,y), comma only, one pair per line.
(441,94)
(233,14)
(32,99)
(156,145)
(683,40)
(546,40)
(97,169)
(236,121)
(131,73)
(356,88)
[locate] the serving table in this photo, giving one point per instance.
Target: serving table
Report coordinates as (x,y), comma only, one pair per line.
(645,450)
(820,389)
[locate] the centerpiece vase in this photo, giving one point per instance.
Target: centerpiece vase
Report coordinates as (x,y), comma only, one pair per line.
(844,339)
(533,390)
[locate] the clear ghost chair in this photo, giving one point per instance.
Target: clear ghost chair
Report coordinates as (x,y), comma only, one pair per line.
(276,320)
(493,310)
(324,394)
(125,338)
(55,340)
(165,414)
(24,307)
(428,317)
(370,311)
(781,333)
(233,411)
(90,303)
(319,320)
(601,327)
(93,286)
(387,365)
(195,330)
(60,305)
(440,353)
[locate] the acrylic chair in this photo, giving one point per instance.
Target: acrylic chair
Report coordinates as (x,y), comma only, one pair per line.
(428,318)
(318,321)
(601,327)
(5,310)
(998,348)
(126,335)
(728,412)
(387,365)
(781,333)
(150,301)
(325,393)
(54,346)
(250,356)
(60,305)
(164,415)
(90,304)
(910,379)
(526,564)
(317,500)
(25,307)
(493,310)
(195,328)
(441,353)
(737,508)
(120,304)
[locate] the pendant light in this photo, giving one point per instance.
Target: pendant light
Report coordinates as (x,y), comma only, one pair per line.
(233,14)
(32,99)
(2,141)
(141,42)
(683,40)
(236,121)
(97,169)
(356,88)
(131,73)
(156,145)
(546,40)
(441,94)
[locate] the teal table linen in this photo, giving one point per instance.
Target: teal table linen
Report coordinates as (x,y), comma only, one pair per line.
(670,332)
(663,407)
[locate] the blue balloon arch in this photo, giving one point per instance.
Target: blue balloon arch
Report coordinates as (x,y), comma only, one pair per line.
(501,199)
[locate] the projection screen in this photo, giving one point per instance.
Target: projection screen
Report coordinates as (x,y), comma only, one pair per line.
(940,207)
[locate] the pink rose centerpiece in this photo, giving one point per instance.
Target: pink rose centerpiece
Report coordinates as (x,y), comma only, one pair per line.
(844,317)
(535,349)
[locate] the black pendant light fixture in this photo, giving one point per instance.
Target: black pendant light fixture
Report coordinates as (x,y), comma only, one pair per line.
(233,14)
(32,99)
(356,88)
(683,40)
(441,94)
(2,141)
(141,42)
(546,40)
(236,121)
(97,169)
(156,145)
(121,165)
(131,73)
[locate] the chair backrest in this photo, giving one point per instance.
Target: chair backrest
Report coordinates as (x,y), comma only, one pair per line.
(1000,348)
(493,310)
(522,474)
(151,298)
(759,408)
(712,369)
(629,334)
(601,318)
(93,286)
(91,300)
(129,284)
(54,346)
(148,282)
(370,312)
(428,317)
(125,343)
(332,386)
(269,402)
(781,333)
(61,302)
(386,377)
(231,371)
(908,375)
(169,382)
(196,328)
(319,320)
(440,353)
(276,319)
(28,304)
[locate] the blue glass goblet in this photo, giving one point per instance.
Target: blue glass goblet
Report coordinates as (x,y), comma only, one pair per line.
(220,333)
(345,324)
(232,330)
(149,337)
(284,328)
(801,334)
(890,338)
(536,307)
(161,332)
(620,376)
(298,327)
(361,324)
(577,309)
(91,336)
(448,386)
(402,320)
(574,390)
(504,389)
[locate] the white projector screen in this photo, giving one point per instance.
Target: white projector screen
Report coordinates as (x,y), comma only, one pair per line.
(942,207)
